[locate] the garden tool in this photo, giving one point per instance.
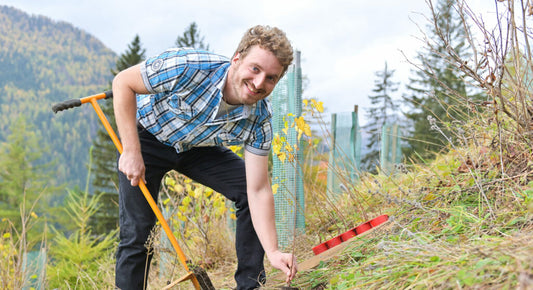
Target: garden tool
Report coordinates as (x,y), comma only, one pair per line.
(196,274)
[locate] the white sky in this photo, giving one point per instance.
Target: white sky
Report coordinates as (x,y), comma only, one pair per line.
(342,42)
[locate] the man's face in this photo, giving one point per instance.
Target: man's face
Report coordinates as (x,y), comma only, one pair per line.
(253,77)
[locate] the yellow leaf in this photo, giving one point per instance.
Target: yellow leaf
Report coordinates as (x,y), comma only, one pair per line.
(306,102)
(34,215)
(291,157)
(307,130)
(233,216)
(302,126)
(276,144)
(275,188)
(181,217)
(288,147)
(178,188)
(170,181)
(429,197)
(198,192)
(7,235)
(282,157)
(300,122)
(320,107)
(186,201)
(235,148)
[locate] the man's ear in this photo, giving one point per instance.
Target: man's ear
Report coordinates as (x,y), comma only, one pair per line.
(236,57)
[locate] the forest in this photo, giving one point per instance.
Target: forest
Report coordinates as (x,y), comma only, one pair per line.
(44,62)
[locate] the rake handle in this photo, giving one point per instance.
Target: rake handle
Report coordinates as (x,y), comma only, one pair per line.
(69,104)
(93,100)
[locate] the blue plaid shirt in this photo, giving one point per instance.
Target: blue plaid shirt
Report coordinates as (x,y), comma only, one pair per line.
(186,90)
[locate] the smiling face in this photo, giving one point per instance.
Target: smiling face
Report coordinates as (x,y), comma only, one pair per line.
(253,77)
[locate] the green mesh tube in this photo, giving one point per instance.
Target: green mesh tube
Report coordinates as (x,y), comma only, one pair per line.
(289,199)
(345,153)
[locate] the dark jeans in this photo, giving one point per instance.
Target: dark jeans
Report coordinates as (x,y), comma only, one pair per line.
(216,167)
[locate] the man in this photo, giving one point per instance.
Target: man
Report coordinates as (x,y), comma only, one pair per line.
(176,111)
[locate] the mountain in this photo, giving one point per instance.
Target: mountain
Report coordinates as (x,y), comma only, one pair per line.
(43,62)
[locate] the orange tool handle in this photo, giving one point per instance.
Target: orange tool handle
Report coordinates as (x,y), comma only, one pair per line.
(94,101)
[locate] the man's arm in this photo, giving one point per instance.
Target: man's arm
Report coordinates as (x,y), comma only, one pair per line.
(126,85)
(261,203)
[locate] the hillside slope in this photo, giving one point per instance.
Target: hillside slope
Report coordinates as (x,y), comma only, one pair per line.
(43,62)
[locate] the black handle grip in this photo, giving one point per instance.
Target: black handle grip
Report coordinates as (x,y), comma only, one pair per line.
(66,105)
(108,94)
(77,102)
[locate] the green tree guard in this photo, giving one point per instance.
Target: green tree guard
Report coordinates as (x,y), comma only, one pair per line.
(167,258)
(391,151)
(287,175)
(34,269)
(345,153)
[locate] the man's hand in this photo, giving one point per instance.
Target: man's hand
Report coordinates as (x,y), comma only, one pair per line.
(126,85)
(132,165)
(285,262)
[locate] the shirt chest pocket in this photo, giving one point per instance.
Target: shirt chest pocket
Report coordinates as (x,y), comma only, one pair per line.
(179,108)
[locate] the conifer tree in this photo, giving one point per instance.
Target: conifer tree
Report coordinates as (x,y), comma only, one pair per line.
(437,89)
(76,258)
(191,38)
(105,180)
(382,112)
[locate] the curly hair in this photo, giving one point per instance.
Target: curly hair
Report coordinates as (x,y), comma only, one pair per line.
(272,39)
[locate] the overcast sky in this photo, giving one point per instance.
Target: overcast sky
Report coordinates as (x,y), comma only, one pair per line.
(342,43)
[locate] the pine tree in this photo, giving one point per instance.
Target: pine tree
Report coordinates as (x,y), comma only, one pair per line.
(105,181)
(382,112)
(77,257)
(437,89)
(134,55)
(191,38)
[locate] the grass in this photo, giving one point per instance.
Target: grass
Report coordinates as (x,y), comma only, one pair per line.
(443,232)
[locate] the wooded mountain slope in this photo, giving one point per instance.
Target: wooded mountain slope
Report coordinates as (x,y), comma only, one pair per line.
(42,62)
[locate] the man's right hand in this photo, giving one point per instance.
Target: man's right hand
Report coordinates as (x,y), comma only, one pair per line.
(126,85)
(132,165)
